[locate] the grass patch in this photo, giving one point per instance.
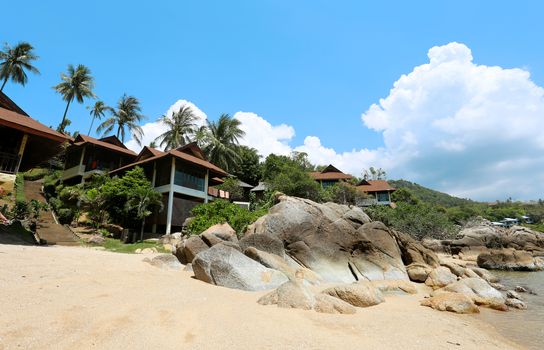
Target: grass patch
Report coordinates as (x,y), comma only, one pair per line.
(536,227)
(115,245)
(35,174)
(20,187)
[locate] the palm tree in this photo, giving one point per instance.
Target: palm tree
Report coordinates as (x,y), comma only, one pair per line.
(143,201)
(125,116)
(181,126)
(222,142)
(97,111)
(15,61)
(78,84)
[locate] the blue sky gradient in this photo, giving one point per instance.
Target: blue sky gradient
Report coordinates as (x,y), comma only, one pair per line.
(315,65)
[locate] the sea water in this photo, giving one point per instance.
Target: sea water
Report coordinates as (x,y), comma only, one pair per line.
(525,327)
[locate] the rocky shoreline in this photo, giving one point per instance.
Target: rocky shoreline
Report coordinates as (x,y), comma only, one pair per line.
(300,243)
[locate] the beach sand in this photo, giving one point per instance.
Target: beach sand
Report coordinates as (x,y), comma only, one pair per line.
(80,298)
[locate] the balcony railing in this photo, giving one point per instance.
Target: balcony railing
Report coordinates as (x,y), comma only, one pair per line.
(8,162)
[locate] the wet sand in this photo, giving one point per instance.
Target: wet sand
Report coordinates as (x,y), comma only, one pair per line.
(79,298)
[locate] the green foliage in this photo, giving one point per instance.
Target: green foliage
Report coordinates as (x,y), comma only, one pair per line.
(132,188)
(231,185)
(249,168)
(430,196)
(221,142)
(104,232)
(420,220)
(342,193)
(50,182)
(20,210)
(20,187)
(65,216)
(219,212)
(15,61)
(404,195)
(289,175)
(35,174)
(94,202)
(35,208)
(125,116)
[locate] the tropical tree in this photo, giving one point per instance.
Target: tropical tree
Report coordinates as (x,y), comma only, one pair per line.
(143,201)
(181,127)
(97,112)
(15,61)
(127,115)
(78,83)
(221,146)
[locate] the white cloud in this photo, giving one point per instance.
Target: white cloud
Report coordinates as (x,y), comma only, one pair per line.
(154,129)
(263,136)
(474,130)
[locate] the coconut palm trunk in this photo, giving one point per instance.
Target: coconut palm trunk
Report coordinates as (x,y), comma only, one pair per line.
(4,83)
(64,116)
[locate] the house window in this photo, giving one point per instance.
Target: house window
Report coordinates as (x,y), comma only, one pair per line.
(383,197)
(188,177)
(327,183)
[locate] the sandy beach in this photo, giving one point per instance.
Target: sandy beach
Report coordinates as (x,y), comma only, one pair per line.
(79,298)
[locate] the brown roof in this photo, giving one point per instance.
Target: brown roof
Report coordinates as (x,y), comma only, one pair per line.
(24,123)
(148,152)
(330,173)
(7,103)
(374,186)
(216,171)
(82,139)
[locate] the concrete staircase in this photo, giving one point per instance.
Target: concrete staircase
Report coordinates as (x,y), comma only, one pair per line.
(48,229)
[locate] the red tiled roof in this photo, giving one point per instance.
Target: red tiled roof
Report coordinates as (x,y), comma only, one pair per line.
(374,186)
(82,139)
(28,125)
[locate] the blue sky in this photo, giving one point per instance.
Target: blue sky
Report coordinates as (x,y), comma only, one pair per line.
(315,66)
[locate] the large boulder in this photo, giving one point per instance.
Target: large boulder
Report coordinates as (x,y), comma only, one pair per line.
(165,261)
(356,294)
(483,273)
(294,294)
(192,247)
(414,252)
(276,262)
(393,286)
(418,272)
(481,292)
(440,277)
(523,238)
(509,259)
(225,266)
(453,302)
(263,242)
(219,233)
(327,239)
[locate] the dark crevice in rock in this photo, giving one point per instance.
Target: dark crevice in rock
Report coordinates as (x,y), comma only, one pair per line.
(350,267)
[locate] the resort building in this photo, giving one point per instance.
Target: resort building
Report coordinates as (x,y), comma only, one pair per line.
(259,190)
(185,179)
(87,156)
(24,142)
(378,190)
(329,176)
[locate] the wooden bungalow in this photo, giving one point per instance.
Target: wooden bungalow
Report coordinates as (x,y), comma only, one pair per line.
(24,142)
(329,176)
(185,179)
(87,156)
(379,191)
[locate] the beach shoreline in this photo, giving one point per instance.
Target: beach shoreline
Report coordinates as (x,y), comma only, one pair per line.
(75,297)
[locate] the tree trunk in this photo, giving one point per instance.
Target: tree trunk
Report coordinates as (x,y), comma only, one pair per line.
(64,117)
(92,121)
(142,230)
(4,84)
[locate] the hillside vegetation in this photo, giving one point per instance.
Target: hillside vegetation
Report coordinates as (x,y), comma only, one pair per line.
(430,196)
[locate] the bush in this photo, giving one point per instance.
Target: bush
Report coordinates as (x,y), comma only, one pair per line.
(20,210)
(219,212)
(50,182)
(35,174)
(419,220)
(65,216)
(20,187)
(104,232)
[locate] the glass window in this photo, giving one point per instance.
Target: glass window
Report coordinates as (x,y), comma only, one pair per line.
(328,183)
(186,176)
(383,197)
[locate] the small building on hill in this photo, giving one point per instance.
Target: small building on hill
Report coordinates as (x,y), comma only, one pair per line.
(378,190)
(184,177)
(87,156)
(24,142)
(329,176)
